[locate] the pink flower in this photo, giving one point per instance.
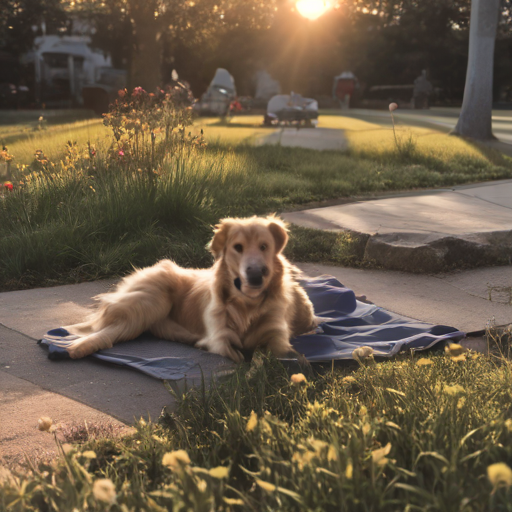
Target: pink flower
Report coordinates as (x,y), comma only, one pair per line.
(138,91)
(121,152)
(392,106)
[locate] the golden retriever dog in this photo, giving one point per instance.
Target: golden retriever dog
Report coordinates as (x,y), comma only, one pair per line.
(248,299)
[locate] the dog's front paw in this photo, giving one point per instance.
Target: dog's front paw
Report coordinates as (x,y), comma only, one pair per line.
(80,348)
(225,343)
(76,352)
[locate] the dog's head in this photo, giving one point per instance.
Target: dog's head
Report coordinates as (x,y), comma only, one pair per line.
(249,248)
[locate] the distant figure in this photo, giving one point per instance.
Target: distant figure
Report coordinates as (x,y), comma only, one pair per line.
(422,90)
(344,88)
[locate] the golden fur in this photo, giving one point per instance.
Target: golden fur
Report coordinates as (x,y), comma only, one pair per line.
(248,299)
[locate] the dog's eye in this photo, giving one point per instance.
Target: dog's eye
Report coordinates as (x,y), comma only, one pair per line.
(263,247)
(239,248)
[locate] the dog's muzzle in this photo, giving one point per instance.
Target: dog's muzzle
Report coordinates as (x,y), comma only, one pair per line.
(255,275)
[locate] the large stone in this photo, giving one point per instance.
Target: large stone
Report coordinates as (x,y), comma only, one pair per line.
(395,252)
(468,226)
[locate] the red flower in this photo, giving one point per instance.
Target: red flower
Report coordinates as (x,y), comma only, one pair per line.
(8,185)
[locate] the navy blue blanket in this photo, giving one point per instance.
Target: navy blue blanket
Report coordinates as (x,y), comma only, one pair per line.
(351,324)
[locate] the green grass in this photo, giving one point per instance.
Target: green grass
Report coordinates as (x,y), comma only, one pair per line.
(80,220)
(22,141)
(388,436)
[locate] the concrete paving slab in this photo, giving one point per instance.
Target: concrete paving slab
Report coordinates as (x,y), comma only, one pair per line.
(469,225)
(424,215)
(498,193)
(120,392)
(491,284)
(446,299)
(310,138)
(34,312)
(22,404)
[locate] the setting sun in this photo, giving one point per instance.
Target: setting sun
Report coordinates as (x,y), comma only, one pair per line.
(312,9)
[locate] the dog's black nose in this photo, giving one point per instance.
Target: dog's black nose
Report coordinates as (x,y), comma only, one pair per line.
(254,276)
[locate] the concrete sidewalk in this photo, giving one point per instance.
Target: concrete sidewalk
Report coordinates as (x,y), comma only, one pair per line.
(73,391)
(310,138)
(468,225)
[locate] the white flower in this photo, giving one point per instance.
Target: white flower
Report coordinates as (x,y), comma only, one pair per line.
(362,352)
(298,378)
(44,423)
(104,490)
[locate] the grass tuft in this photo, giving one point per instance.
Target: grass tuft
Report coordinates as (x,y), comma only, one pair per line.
(395,435)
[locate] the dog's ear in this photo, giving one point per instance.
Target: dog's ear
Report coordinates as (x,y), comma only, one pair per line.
(279,231)
(220,236)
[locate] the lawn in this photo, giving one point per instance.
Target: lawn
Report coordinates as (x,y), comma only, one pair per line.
(23,140)
(76,217)
(416,433)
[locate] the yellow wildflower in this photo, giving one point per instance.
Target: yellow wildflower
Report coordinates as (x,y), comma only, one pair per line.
(219,472)
(251,422)
(349,471)
(454,349)
(453,390)
(379,455)
(499,474)
(174,460)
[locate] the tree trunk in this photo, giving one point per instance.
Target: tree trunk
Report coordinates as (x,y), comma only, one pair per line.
(147,54)
(476,115)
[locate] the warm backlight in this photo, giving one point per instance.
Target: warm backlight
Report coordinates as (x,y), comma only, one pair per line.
(312,9)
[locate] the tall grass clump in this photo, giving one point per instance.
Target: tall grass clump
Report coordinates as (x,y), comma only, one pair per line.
(429,433)
(97,211)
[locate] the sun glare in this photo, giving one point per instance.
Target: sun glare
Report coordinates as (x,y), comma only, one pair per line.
(312,9)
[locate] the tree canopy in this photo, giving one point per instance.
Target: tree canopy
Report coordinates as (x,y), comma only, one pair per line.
(383,42)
